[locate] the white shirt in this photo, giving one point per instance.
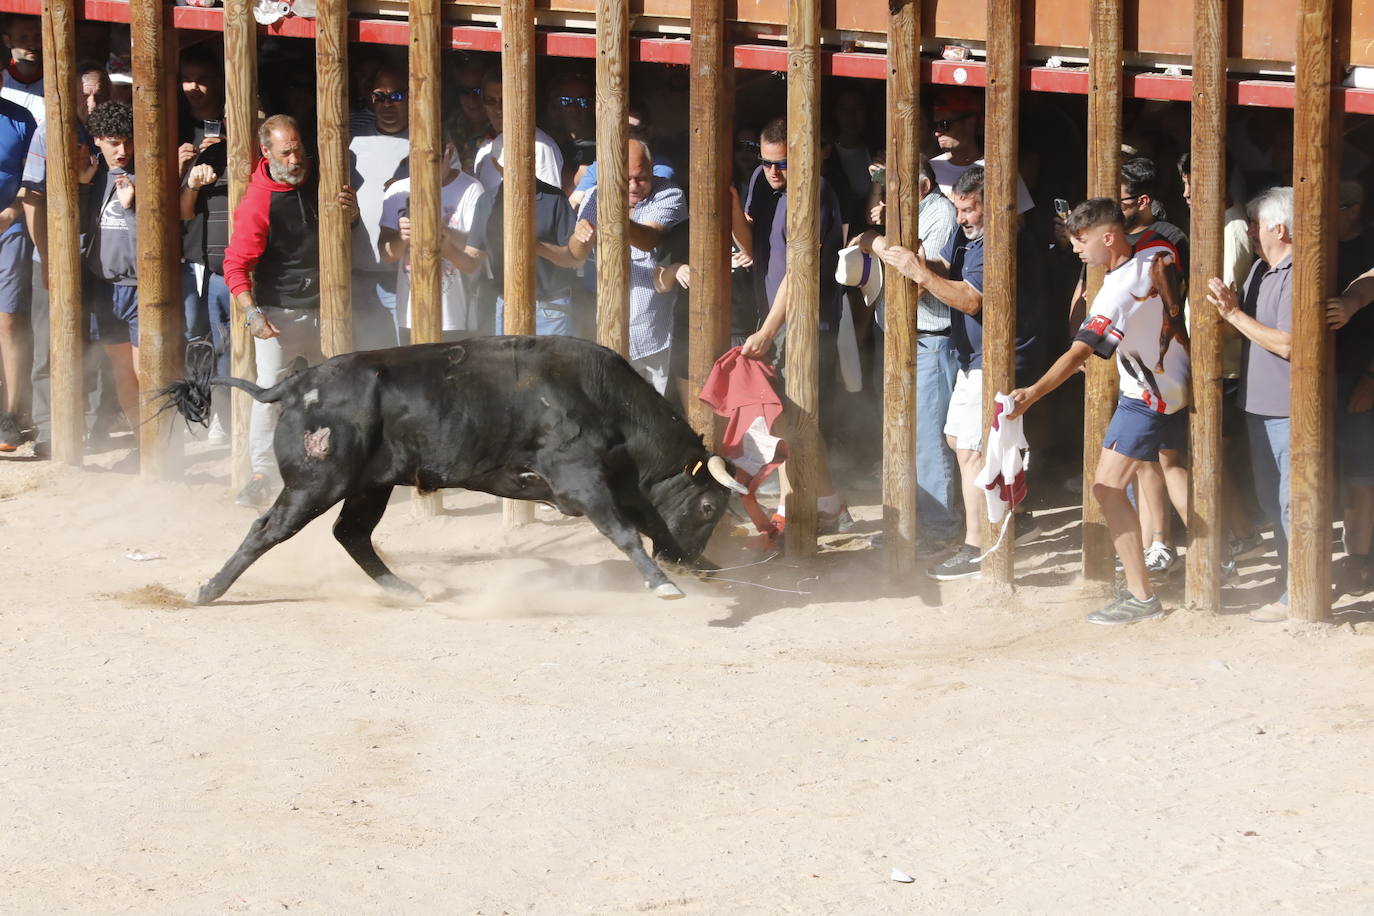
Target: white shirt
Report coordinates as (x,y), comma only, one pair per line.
(375,158)
(947,173)
(457,204)
(548,162)
(1128,318)
(30,95)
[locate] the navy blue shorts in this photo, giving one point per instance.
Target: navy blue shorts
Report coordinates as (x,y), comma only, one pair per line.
(1138,432)
(1354,439)
(16,273)
(114,311)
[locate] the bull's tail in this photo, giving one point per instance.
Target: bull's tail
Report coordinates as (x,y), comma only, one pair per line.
(190,396)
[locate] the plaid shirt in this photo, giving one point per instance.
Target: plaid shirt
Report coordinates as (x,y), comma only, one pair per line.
(651,312)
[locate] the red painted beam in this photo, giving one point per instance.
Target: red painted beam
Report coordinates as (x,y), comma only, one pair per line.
(677,52)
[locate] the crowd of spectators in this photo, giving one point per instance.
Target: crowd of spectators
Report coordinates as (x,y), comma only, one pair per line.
(1140,317)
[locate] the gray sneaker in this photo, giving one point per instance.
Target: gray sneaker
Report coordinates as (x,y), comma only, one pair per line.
(962,565)
(1127,609)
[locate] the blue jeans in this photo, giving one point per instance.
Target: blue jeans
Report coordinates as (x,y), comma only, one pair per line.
(374,310)
(205,300)
(1269,458)
(938,498)
(548,322)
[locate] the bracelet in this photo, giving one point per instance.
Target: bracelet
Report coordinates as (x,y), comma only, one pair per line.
(248,316)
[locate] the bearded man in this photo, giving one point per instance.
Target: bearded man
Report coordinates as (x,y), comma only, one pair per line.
(272,268)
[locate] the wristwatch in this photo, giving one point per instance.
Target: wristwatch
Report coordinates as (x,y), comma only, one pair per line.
(248,316)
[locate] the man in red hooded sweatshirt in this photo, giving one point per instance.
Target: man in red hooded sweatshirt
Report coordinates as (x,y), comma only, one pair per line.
(272,267)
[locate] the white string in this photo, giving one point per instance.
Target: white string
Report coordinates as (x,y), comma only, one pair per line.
(1001,535)
(788,591)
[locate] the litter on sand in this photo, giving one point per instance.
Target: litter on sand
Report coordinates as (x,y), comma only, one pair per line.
(143,556)
(902,877)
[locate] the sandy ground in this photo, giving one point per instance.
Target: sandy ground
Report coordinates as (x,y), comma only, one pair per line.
(542,736)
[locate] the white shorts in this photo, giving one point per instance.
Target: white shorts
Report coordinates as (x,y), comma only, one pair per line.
(964,422)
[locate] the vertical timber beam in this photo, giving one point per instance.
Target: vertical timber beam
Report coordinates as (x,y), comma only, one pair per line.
(1208,191)
(899,343)
(1316,144)
(64,250)
(159,243)
(517,124)
(426,227)
(1104,180)
(612,157)
(999,193)
(803,267)
(241,113)
(336,233)
(709,297)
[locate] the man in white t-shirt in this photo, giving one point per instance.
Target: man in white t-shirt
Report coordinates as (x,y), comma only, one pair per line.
(1139,297)
(458,199)
(378,146)
(958,125)
(23,79)
(548,161)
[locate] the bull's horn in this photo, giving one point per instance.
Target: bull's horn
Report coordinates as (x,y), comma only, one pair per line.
(716,465)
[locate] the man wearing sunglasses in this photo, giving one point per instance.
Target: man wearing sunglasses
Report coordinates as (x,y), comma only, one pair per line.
(958,126)
(571,116)
(548,161)
(379,142)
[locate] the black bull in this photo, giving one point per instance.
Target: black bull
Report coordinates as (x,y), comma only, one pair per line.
(550,419)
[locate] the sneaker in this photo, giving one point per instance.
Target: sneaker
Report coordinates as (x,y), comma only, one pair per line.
(962,565)
(256,494)
(1274,612)
(11,435)
(1160,559)
(217,435)
(839,523)
(1027,528)
(1127,609)
(1243,548)
(42,449)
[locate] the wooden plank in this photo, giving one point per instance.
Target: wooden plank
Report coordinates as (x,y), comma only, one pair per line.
(1002,151)
(240,115)
(1206,532)
(803,268)
(612,152)
(1104,180)
(1315,136)
(711,106)
(518,112)
(899,342)
(160,340)
(336,232)
(64,249)
(426,145)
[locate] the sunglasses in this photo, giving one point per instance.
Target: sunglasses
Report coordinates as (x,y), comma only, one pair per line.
(470,90)
(569,101)
(944,124)
(380,96)
(1127,200)
(747,144)
(779,164)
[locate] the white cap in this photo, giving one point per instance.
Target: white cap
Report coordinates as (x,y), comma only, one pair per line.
(862,270)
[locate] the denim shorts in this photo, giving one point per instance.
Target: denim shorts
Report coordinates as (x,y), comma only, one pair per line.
(16,273)
(1138,432)
(114,311)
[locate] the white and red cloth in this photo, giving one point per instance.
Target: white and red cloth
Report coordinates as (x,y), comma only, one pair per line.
(1006,457)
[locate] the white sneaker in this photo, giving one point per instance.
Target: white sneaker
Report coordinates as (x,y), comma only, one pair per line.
(1159,559)
(216,435)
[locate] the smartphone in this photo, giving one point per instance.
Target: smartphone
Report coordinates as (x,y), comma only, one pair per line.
(879,175)
(1061,207)
(214,129)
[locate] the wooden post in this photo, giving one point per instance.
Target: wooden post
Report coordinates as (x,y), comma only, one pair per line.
(64,250)
(803,267)
(612,152)
(426,227)
(1208,188)
(999,207)
(899,343)
(336,233)
(517,78)
(1316,144)
(1104,180)
(712,145)
(241,117)
(159,242)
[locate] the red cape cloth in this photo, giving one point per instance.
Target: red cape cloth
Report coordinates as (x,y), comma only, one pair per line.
(741,388)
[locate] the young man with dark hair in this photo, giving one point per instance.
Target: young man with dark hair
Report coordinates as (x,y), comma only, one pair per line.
(1124,320)
(111,247)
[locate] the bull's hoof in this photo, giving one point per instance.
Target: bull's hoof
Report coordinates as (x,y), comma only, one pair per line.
(668,591)
(400,588)
(198,596)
